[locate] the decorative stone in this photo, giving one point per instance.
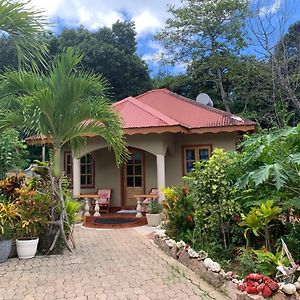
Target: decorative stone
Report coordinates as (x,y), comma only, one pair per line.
(174,251)
(289,289)
(192,253)
(297,285)
(160,233)
(214,278)
(198,267)
(211,265)
(180,244)
(184,258)
(202,255)
(279,295)
(170,243)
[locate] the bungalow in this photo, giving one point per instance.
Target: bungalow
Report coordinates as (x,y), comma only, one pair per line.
(166,133)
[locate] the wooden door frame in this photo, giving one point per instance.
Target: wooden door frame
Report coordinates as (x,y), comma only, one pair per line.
(122,177)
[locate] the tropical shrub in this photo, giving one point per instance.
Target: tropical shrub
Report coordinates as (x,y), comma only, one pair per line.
(212,194)
(258,221)
(179,211)
(34,209)
(13,152)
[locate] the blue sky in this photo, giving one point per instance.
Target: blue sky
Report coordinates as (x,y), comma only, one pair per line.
(149,17)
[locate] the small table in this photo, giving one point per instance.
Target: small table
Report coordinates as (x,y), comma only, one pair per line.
(139,199)
(87,206)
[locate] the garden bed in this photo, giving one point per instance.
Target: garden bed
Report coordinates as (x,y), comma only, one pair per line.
(227,282)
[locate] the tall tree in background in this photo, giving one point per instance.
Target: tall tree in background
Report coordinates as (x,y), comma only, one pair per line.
(209,30)
(110,52)
(278,46)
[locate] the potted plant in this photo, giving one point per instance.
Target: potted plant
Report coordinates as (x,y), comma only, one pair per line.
(154,214)
(33,218)
(27,233)
(8,218)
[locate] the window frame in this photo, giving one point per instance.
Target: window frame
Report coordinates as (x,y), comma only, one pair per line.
(70,176)
(196,147)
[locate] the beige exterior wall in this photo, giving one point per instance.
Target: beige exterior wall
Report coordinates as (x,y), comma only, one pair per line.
(174,172)
(108,175)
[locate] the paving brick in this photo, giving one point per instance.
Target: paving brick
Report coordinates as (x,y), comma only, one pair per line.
(111,264)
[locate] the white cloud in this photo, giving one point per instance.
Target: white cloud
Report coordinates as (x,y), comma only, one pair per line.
(271,9)
(148,15)
(146,22)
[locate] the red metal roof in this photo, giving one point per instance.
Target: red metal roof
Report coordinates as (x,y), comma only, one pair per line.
(163,108)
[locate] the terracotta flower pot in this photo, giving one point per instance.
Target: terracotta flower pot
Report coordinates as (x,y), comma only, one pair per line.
(27,248)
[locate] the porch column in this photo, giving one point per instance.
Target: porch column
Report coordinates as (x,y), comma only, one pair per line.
(76,177)
(161,175)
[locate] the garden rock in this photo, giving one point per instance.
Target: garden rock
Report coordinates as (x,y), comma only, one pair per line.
(184,258)
(192,253)
(279,296)
(180,244)
(297,285)
(170,242)
(174,251)
(211,265)
(289,289)
(202,255)
(214,278)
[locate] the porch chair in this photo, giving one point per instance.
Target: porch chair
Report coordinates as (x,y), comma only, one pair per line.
(153,191)
(104,200)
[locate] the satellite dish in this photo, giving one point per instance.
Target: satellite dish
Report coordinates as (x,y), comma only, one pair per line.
(204,99)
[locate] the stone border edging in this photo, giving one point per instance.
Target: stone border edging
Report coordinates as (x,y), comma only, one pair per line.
(210,271)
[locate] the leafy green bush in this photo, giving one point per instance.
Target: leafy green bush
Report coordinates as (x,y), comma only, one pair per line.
(13,154)
(179,210)
(212,193)
(292,240)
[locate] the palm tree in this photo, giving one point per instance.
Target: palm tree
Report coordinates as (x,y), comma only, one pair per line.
(65,106)
(25,25)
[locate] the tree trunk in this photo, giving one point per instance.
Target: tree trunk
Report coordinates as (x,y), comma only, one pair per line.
(222,90)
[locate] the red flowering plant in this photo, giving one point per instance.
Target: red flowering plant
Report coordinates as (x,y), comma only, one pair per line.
(10,185)
(179,211)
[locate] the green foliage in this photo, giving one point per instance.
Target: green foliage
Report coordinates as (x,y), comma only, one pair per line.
(72,208)
(246,262)
(212,194)
(9,216)
(258,221)
(268,261)
(110,52)
(25,26)
(155,207)
(12,152)
(34,209)
(179,210)
(270,163)
(292,240)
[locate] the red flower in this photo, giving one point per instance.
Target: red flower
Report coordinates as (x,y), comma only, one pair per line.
(189,218)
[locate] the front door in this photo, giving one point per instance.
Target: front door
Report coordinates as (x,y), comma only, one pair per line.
(134,177)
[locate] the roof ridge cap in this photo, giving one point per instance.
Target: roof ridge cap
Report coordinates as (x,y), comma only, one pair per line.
(151,91)
(210,108)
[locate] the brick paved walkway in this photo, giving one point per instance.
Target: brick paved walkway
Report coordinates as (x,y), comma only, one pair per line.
(111,264)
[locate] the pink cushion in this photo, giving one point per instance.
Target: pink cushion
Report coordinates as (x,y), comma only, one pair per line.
(103,201)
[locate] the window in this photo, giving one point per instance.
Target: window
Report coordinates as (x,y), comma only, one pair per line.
(194,153)
(87,169)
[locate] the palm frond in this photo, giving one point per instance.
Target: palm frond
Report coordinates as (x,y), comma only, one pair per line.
(25,26)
